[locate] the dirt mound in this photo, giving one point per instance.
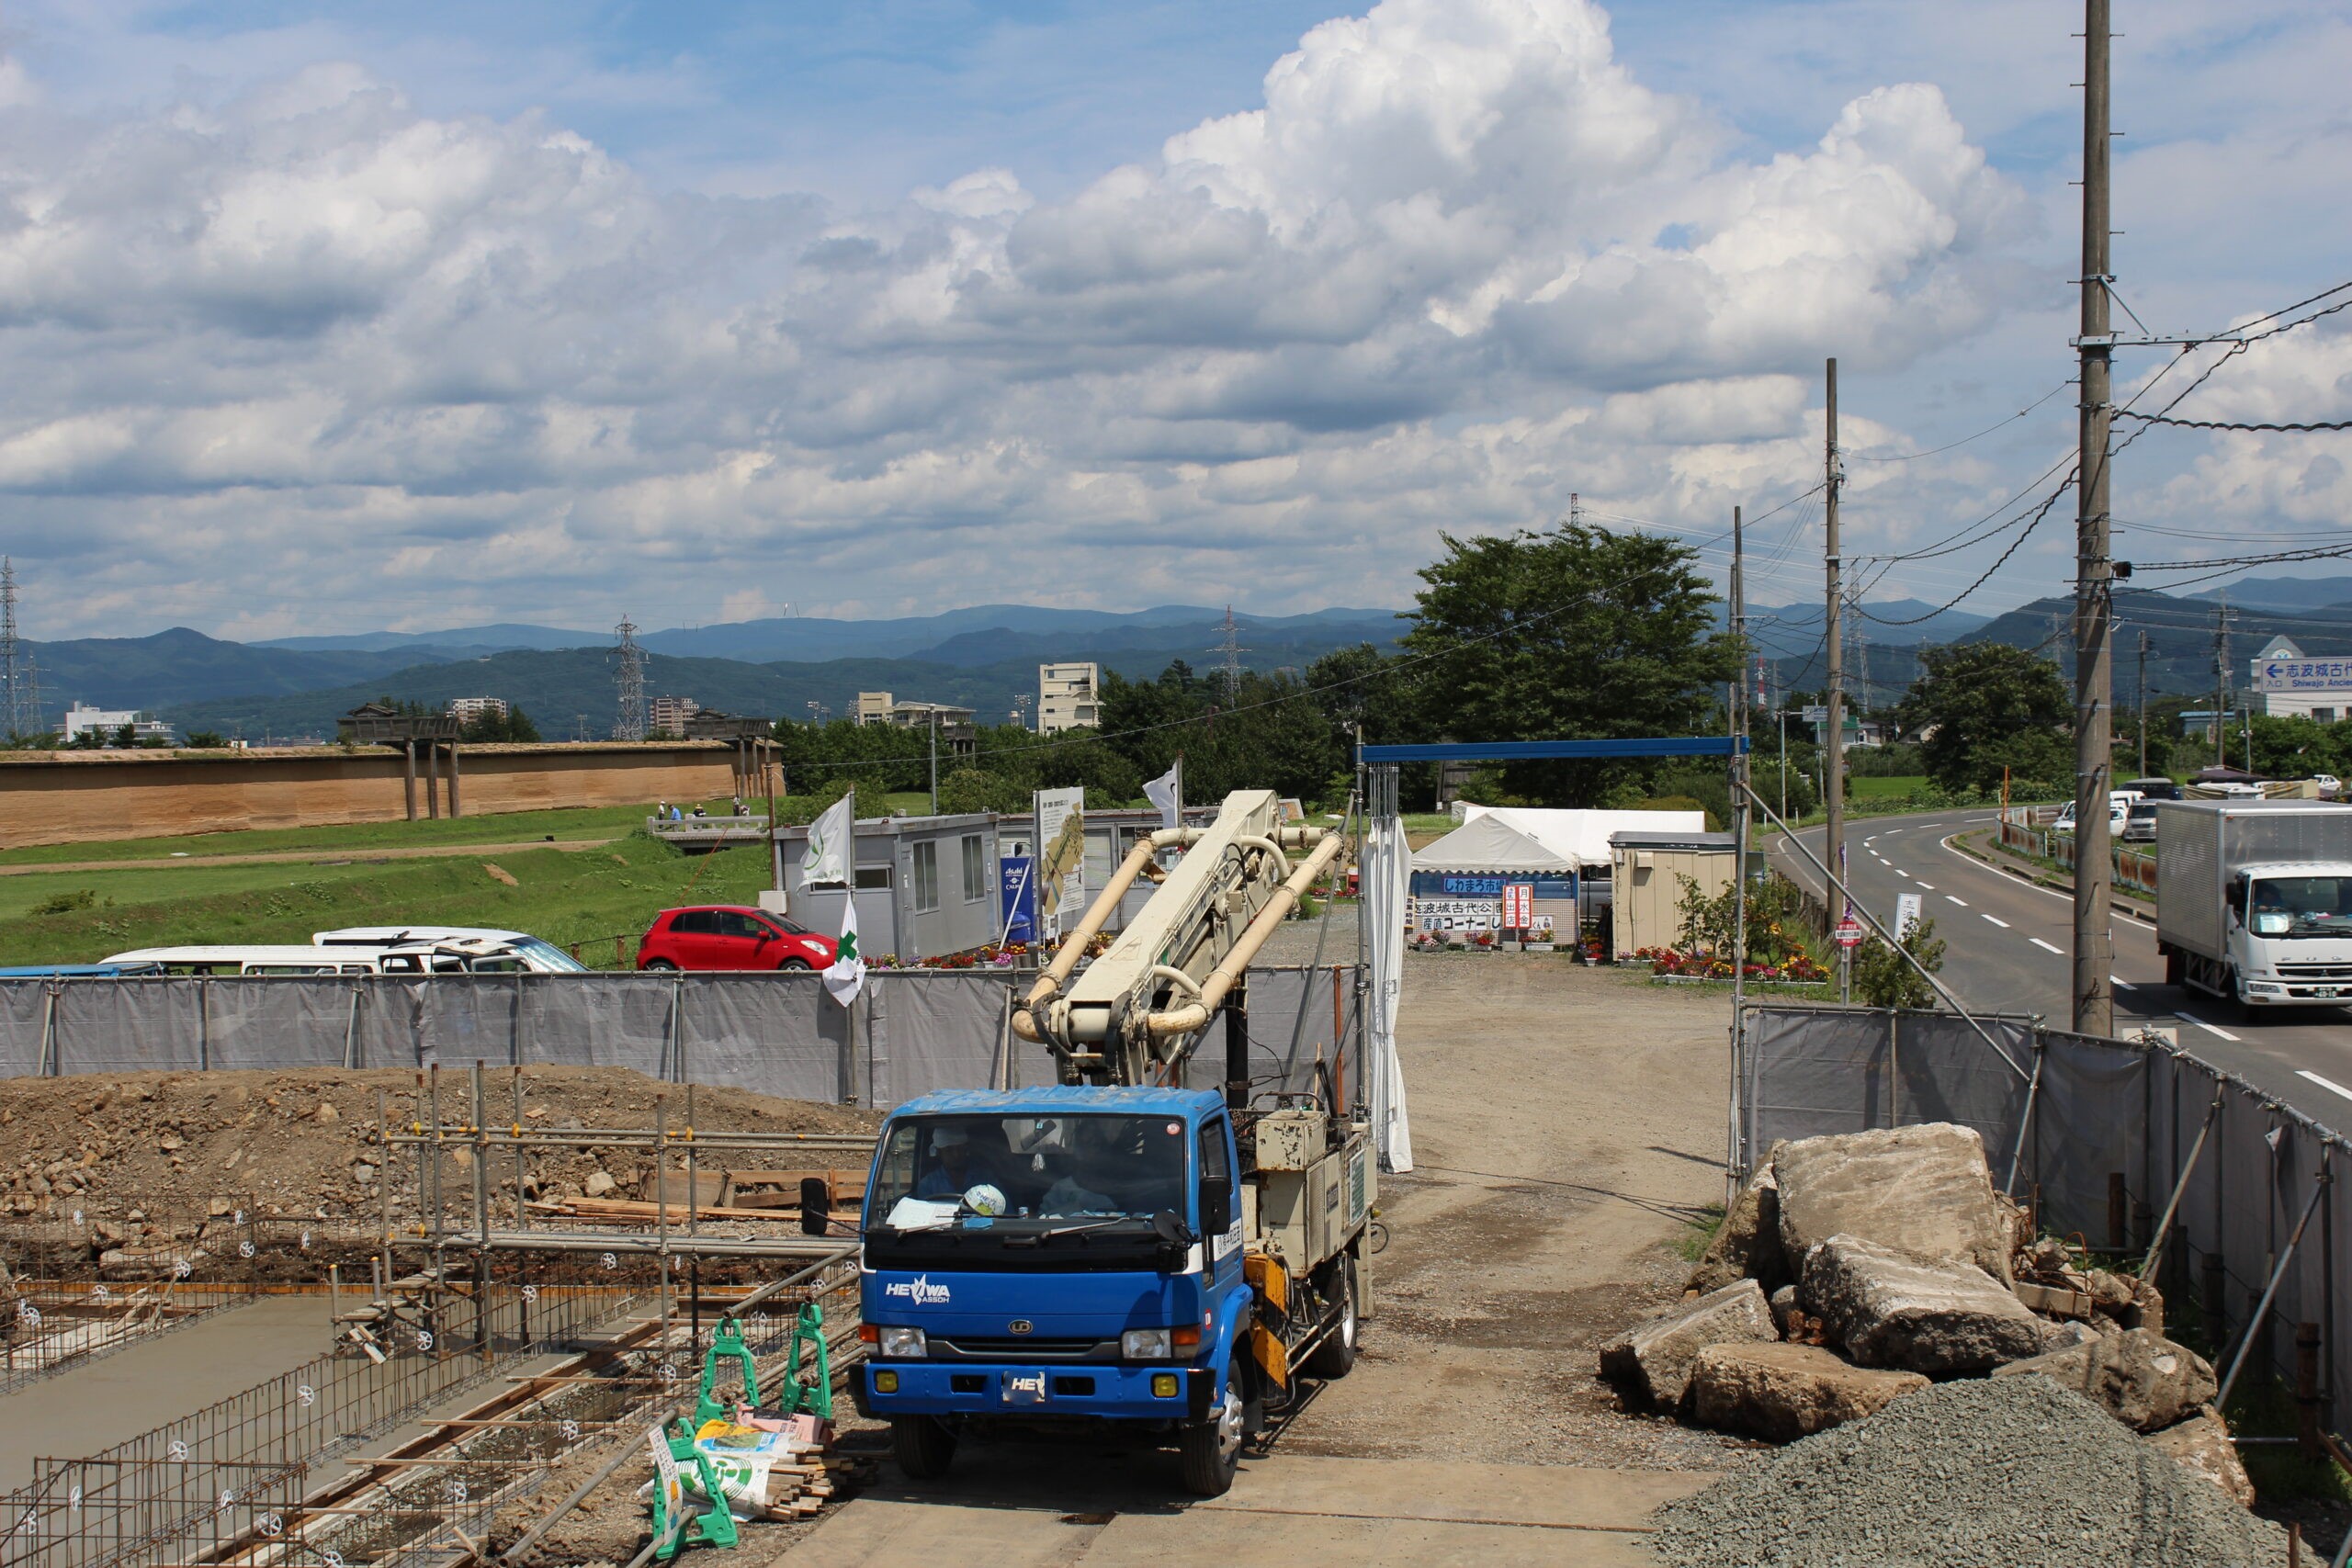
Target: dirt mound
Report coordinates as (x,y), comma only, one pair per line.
(117,1163)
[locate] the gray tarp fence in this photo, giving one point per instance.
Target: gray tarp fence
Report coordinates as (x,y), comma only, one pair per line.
(913,1030)
(2110,1119)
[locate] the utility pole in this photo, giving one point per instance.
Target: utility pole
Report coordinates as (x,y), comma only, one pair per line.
(2222,695)
(2143,685)
(13,661)
(2094,608)
(1833,761)
(1739,805)
(935,762)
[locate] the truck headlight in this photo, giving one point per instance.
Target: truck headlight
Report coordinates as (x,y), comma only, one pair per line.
(1144,1345)
(2264,988)
(905,1344)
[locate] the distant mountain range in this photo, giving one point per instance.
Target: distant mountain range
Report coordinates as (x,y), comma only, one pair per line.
(986,656)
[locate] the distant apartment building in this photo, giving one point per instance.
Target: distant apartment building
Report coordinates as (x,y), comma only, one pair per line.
(1068,698)
(668,716)
(106,725)
(880,707)
(466,710)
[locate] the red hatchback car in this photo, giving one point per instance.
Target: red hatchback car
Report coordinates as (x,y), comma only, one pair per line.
(730,936)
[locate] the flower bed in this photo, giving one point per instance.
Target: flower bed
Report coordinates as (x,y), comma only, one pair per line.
(1701,965)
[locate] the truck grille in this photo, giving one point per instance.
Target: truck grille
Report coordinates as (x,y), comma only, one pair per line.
(2316,971)
(1024,1347)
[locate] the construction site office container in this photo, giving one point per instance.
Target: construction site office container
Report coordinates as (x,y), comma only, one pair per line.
(1649,868)
(926,885)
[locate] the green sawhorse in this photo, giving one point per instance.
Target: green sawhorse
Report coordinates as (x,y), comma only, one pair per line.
(676,1522)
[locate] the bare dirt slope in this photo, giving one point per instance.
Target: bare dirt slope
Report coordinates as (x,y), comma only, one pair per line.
(174,1147)
(1567,1125)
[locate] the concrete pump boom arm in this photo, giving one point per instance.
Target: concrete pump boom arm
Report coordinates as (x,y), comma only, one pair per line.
(1142,1004)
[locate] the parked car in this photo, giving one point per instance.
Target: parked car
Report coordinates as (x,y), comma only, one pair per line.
(529,952)
(2330,787)
(730,936)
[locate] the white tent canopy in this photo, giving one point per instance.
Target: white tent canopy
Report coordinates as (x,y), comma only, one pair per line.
(1489,844)
(1581,838)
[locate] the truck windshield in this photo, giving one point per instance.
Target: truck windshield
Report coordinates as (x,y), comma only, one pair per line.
(2301,907)
(1030,1167)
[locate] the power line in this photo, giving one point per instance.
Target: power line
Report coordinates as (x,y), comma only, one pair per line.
(1932,451)
(2299,428)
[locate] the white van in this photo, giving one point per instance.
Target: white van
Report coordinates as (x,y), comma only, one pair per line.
(2119,813)
(414,958)
(266,960)
(532,953)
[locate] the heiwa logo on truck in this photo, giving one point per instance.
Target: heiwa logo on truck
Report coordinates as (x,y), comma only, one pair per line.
(919,1290)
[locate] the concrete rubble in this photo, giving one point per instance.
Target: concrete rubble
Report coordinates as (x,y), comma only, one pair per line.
(1889,1310)
(1786,1392)
(1885,1261)
(2142,1379)
(2202,1444)
(1923,1190)
(1653,1360)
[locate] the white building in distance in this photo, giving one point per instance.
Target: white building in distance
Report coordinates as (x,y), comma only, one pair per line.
(1068,698)
(2286,683)
(668,716)
(465,710)
(82,720)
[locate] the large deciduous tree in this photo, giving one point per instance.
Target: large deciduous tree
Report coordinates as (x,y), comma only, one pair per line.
(1982,706)
(1572,633)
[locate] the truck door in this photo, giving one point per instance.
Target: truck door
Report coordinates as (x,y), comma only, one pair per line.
(1220,1200)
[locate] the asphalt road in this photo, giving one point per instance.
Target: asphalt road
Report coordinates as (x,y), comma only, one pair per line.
(2007,946)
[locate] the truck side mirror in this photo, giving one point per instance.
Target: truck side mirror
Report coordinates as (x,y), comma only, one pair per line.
(1217,1208)
(816,1205)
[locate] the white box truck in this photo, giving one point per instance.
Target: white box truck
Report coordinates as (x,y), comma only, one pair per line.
(2254,899)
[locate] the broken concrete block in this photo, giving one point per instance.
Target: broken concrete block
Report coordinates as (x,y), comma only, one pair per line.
(2142,1380)
(1748,1245)
(1652,1360)
(2064,1335)
(2202,1443)
(600,1184)
(1889,1310)
(1787,1391)
(1922,1191)
(2053,1300)
(1784,1305)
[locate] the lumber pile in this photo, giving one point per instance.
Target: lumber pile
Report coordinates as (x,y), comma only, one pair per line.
(715,1195)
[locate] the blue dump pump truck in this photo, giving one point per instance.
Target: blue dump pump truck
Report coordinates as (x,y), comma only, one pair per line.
(1108,1259)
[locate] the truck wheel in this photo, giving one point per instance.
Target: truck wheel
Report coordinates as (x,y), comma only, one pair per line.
(1336,1356)
(1211,1449)
(925,1448)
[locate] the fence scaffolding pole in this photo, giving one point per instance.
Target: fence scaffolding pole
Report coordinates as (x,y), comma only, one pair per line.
(2155,1260)
(2262,1307)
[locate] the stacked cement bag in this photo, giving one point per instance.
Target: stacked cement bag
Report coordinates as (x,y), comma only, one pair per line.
(1856,1269)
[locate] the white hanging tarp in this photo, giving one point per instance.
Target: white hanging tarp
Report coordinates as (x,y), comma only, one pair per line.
(1385,878)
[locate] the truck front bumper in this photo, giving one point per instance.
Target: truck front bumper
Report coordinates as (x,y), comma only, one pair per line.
(1064,1391)
(2273,994)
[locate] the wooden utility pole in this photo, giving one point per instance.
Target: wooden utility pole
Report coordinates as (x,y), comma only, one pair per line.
(1833,761)
(2094,997)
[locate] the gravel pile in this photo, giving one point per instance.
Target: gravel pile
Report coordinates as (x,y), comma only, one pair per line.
(2017,1472)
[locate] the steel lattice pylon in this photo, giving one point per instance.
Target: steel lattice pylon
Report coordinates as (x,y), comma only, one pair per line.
(631,725)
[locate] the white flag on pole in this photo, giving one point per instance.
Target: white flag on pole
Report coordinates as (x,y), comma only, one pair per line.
(1167,792)
(826,861)
(846,976)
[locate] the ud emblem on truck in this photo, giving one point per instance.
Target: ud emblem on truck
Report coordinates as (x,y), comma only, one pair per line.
(1020,1325)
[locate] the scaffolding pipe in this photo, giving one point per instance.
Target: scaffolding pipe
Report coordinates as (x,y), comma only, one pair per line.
(2262,1308)
(2155,1260)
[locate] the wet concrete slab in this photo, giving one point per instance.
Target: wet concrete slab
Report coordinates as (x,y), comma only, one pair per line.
(1019,1506)
(84,1409)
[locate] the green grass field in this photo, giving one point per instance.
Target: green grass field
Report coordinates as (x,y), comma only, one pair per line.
(585,896)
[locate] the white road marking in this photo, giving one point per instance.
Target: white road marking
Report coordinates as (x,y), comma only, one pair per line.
(2324,1083)
(2121,984)
(1929,886)
(2192,1018)
(1949,900)
(1996,920)
(1892,831)
(2044,946)
(1900,872)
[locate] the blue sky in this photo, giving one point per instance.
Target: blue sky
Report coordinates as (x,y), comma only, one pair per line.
(883,308)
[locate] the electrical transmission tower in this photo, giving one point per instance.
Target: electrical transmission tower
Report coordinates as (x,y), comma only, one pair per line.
(19,700)
(1232,649)
(632,683)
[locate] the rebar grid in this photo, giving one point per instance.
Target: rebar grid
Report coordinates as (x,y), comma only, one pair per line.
(50,1325)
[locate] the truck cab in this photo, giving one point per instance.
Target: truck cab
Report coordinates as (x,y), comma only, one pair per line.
(1057,1260)
(2291,933)
(1106,1263)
